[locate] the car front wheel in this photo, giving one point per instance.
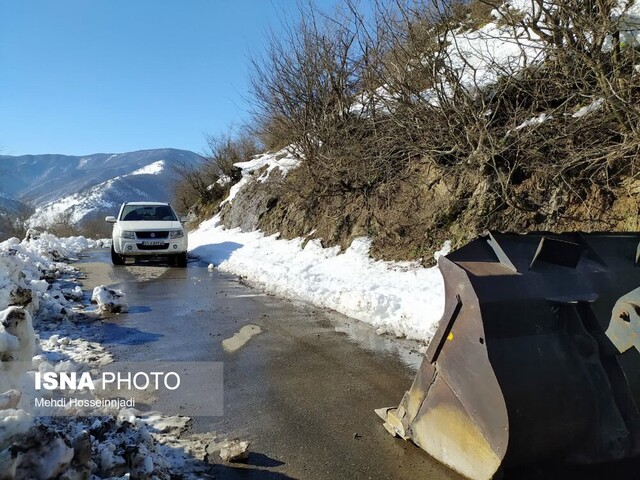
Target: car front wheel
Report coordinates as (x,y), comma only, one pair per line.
(116,259)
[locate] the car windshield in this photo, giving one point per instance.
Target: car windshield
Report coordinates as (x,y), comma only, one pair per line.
(147,212)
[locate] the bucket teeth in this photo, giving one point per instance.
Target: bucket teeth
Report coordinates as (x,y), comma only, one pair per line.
(393,422)
(382,412)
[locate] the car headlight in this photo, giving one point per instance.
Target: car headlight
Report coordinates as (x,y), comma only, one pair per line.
(176,234)
(127,234)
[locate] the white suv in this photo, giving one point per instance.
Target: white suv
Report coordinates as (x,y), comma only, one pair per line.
(148,229)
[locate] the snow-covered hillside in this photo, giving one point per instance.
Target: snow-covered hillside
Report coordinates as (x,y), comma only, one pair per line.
(9,204)
(488,136)
(91,185)
(403,299)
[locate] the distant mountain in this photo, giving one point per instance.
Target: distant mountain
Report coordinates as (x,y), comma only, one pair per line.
(88,186)
(8,204)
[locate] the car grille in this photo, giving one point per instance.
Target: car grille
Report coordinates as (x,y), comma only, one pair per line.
(164,234)
(142,246)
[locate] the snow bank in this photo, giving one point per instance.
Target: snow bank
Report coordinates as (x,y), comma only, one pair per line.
(33,281)
(401,298)
(61,248)
(29,273)
(17,338)
(17,347)
(126,446)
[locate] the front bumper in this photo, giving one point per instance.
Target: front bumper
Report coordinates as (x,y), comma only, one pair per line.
(139,247)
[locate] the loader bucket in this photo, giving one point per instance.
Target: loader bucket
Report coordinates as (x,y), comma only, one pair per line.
(536,357)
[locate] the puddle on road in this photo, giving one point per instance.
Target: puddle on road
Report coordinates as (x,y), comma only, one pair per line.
(406,350)
(96,273)
(238,341)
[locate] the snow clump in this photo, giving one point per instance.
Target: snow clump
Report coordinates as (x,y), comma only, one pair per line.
(109,300)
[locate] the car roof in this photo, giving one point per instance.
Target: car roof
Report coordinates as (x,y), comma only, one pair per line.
(146,203)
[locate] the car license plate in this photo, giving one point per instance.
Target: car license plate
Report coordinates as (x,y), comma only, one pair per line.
(151,244)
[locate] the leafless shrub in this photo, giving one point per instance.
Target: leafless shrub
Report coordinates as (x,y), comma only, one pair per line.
(14,221)
(369,101)
(225,150)
(95,228)
(308,90)
(434,90)
(209,182)
(62,225)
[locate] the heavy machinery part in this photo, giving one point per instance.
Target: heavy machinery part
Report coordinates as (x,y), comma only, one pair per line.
(536,355)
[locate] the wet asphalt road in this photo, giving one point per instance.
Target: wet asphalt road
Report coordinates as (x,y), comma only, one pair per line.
(302,391)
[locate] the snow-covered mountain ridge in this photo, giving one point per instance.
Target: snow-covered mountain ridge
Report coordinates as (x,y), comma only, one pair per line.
(88,186)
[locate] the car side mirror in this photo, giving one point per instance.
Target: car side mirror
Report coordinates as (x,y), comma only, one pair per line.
(184,219)
(110,219)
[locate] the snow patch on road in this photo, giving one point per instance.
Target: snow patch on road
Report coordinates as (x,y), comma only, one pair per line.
(240,339)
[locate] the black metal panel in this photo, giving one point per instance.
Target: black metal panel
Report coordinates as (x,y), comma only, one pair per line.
(152,235)
(557,252)
(142,246)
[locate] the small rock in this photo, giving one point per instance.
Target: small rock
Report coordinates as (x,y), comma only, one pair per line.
(81,444)
(32,234)
(10,399)
(234,451)
(20,296)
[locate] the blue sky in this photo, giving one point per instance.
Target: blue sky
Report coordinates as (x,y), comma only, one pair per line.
(107,76)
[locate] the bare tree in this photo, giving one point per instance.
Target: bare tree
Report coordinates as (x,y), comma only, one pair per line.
(224,151)
(63,225)
(14,222)
(367,102)
(309,94)
(209,182)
